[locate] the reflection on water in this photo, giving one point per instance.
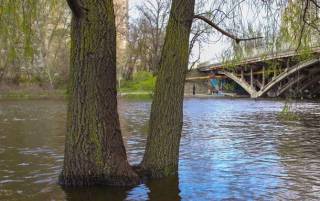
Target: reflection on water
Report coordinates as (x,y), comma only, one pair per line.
(165,189)
(230,150)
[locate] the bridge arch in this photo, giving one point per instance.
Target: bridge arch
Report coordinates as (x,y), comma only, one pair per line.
(247,87)
(264,89)
(285,74)
(313,80)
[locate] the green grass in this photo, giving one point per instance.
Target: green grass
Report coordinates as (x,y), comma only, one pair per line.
(141,82)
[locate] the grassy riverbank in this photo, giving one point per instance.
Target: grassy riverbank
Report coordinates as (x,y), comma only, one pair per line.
(25,93)
(33,94)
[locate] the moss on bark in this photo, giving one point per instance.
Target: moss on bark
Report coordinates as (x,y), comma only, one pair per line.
(166,119)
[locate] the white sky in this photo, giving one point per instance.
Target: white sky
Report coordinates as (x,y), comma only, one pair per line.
(209,51)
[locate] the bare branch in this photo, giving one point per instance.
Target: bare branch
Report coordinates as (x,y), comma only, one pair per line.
(315,3)
(312,26)
(208,21)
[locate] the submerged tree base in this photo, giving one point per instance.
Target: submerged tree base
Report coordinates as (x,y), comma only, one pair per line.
(140,175)
(102,180)
(152,173)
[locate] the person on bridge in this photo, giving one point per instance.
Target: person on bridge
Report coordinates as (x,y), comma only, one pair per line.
(194,89)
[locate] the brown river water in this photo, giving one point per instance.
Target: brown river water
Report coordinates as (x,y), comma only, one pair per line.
(231,149)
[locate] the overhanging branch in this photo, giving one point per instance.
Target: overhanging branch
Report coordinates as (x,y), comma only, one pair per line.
(315,3)
(209,22)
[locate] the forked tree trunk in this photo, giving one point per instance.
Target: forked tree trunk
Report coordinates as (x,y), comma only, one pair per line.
(94,149)
(166,119)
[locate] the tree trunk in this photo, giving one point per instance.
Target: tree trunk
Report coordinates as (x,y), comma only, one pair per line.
(94,149)
(166,119)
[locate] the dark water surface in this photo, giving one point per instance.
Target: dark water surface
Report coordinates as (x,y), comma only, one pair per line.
(230,150)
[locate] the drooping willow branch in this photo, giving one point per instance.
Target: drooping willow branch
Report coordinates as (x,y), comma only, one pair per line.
(215,26)
(305,10)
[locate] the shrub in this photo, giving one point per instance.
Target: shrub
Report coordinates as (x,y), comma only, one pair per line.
(287,114)
(142,81)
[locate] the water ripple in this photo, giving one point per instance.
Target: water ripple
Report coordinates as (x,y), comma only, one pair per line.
(231,149)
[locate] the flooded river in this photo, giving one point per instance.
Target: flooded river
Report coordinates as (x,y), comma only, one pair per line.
(230,150)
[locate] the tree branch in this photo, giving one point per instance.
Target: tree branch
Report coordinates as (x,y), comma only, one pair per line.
(315,3)
(75,8)
(312,26)
(208,21)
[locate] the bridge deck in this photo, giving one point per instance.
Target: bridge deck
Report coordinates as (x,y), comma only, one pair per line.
(257,59)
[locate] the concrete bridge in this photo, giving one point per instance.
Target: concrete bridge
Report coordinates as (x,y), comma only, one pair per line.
(269,75)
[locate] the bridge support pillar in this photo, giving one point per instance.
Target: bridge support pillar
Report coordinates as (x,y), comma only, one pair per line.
(251,77)
(197,86)
(263,76)
(242,74)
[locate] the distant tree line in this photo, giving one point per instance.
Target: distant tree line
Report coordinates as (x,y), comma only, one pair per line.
(35,35)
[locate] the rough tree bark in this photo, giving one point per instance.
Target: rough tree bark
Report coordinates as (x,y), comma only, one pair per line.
(166,119)
(94,149)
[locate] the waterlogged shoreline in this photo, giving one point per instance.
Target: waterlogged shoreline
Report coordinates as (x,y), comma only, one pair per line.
(62,93)
(39,94)
(22,94)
